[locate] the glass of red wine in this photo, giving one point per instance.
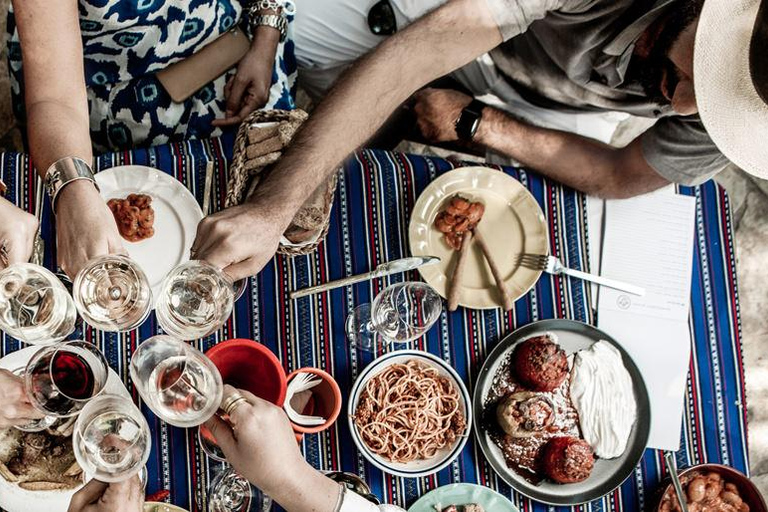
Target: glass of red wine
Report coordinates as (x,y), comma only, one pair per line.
(60,379)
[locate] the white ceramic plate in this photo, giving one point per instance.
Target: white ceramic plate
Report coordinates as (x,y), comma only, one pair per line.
(177,215)
(417,468)
(463,494)
(512,224)
(12,497)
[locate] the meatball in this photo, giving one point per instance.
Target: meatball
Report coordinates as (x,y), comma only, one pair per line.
(567,460)
(525,414)
(540,364)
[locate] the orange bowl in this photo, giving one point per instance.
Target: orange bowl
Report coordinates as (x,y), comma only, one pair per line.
(249,365)
(747,490)
(325,401)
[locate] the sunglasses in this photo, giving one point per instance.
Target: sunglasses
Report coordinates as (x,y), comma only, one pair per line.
(381,19)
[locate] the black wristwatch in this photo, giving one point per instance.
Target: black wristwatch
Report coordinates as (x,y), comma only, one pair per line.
(469,120)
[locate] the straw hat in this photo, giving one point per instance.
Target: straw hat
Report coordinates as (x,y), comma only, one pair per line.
(730,67)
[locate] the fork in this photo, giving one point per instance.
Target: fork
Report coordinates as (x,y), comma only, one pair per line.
(552,265)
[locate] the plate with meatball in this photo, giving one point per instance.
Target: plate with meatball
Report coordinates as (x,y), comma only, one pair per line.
(562,412)
(156,216)
(478,200)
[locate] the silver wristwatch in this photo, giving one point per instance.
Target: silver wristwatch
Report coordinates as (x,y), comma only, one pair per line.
(276,21)
(65,171)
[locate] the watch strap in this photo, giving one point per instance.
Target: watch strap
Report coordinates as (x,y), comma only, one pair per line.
(469,120)
(65,171)
(276,21)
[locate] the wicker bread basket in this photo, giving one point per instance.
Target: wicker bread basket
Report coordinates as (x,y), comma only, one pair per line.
(260,141)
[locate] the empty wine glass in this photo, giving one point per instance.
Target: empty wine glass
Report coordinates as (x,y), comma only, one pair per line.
(401,313)
(231,492)
(177,382)
(112,293)
(111,439)
(35,307)
(60,379)
(195,300)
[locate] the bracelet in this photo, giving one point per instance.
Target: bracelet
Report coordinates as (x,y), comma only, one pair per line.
(65,171)
(340,499)
(278,22)
(266,5)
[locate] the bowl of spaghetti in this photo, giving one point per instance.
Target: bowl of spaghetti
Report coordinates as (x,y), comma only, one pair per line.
(410,414)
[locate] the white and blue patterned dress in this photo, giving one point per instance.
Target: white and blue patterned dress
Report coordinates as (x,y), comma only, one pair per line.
(125,42)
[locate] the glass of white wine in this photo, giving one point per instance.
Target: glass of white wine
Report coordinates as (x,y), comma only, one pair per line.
(401,313)
(111,439)
(112,293)
(35,307)
(195,300)
(177,381)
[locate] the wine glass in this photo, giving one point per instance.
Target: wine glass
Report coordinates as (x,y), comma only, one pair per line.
(195,300)
(112,293)
(401,313)
(231,492)
(177,382)
(60,379)
(35,307)
(111,439)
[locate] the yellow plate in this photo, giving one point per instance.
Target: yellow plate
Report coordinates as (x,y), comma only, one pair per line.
(161,507)
(513,224)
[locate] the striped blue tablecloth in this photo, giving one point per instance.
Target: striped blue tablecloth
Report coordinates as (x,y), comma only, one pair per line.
(377,191)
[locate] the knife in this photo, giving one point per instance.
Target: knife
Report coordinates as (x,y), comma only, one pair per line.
(385,269)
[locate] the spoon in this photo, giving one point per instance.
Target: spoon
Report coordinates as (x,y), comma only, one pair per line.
(669,458)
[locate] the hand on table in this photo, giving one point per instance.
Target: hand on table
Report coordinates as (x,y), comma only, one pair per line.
(98,496)
(85,227)
(18,228)
(248,89)
(15,409)
(240,240)
(437,111)
(260,444)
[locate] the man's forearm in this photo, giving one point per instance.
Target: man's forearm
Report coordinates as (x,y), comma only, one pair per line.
(363,99)
(579,162)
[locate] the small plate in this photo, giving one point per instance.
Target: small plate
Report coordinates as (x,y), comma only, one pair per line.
(463,494)
(177,215)
(512,224)
(416,468)
(152,506)
(607,474)
(12,497)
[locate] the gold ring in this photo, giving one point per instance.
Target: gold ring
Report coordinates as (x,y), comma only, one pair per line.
(232,402)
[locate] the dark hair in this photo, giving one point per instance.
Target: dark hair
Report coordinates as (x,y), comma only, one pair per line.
(648,71)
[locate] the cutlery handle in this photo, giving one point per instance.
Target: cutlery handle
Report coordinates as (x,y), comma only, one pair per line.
(604,281)
(333,284)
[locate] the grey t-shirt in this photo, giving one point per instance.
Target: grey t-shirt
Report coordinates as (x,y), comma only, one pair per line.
(575,54)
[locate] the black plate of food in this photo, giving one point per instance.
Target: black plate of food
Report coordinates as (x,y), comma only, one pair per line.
(561,412)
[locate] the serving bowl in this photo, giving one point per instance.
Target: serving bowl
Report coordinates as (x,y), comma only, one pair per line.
(443,457)
(748,491)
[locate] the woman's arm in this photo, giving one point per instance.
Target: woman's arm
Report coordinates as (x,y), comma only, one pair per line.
(248,89)
(58,126)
